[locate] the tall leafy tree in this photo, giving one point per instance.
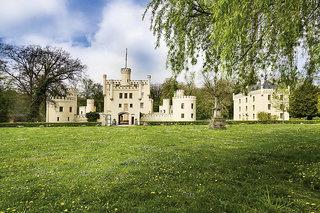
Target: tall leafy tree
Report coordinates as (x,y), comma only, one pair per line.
(304,100)
(169,87)
(156,94)
(7,96)
(91,90)
(235,37)
(39,72)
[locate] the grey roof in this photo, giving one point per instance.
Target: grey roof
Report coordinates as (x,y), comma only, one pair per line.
(265,85)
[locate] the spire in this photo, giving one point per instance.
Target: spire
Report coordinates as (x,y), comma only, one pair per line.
(126,58)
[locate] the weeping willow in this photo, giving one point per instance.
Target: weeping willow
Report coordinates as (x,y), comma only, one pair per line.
(237,37)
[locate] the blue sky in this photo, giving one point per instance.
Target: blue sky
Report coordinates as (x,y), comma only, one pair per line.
(96,31)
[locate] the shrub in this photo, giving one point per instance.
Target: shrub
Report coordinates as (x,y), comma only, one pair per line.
(92,116)
(44,124)
(264,116)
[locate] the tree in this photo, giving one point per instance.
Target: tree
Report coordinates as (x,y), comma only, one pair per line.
(169,87)
(40,72)
(238,38)
(92,116)
(91,90)
(190,85)
(319,104)
(220,90)
(7,96)
(304,100)
(156,94)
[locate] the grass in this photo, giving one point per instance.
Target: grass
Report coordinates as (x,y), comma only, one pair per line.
(247,168)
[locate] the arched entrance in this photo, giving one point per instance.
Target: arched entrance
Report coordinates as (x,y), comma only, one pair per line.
(123,118)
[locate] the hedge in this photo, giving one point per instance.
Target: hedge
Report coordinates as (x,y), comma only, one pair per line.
(156,123)
(44,124)
(230,122)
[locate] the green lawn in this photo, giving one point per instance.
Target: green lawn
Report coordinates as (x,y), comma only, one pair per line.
(247,168)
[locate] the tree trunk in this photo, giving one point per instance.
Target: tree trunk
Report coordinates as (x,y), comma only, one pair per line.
(38,98)
(217,121)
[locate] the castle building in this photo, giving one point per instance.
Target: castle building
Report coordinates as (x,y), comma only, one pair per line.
(183,108)
(126,100)
(88,108)
(64,109)
(260,99)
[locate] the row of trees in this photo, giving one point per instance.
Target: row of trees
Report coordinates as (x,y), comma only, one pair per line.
(302,100)
(31,74)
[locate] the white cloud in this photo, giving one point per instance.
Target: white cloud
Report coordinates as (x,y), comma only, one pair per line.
(17,11)
(121,27)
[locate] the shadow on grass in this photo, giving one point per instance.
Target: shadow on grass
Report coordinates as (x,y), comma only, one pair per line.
(261,169)
(280,174)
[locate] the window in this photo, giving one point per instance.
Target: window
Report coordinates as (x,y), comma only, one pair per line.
(164,111)
(253,98)
(269,97)
(120,105)
(68,119)
(281,115)
(120,95)
(60,109)
(239,109)
(191,105)
(141,105)
(191,115)
(239,116)
(182,106)
(81,112)
(130,95)
(254,116)
(58,118)
(246,100)
(253,107)
(182,115)
(269,106)
(70,109)
(131,105)
(125,95)
(239,101)
(246,108)
(281,97)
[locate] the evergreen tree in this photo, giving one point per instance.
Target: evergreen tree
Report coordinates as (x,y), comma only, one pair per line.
(304,100)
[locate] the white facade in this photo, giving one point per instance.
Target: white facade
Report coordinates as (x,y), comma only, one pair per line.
(126,100)
(88,108)
(183,108)
(62,109)
(247,107)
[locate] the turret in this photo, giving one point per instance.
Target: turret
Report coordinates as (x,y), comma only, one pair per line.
(125,76)
(126,72)
(90,106)
(179,93)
